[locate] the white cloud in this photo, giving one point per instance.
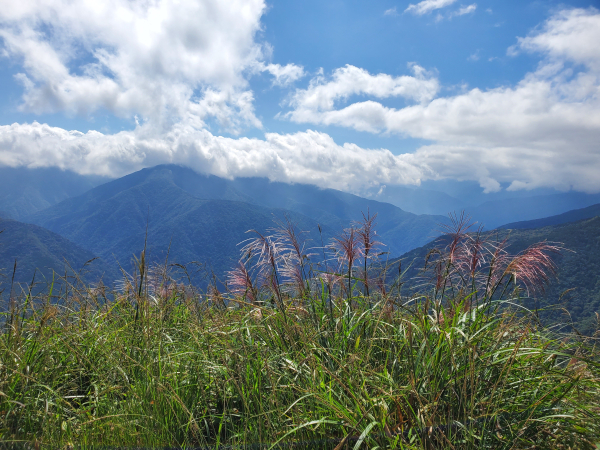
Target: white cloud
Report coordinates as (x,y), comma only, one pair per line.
(307,157)
(284,75)
(474,56)
(542,132)
(570,35)
(160,59)
(465,10)
(426,6)
(317,102)
(391,12)
(153,60)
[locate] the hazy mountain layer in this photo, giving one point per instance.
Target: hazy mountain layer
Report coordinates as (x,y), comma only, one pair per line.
(25,191)
(496,213)
(492,210)
(418,200)
(111,218)
(40,251)
(569,216)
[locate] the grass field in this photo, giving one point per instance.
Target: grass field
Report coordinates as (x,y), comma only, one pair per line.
(328,353)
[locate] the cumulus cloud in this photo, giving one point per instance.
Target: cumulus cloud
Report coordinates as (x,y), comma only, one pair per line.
(160,59)
(542,132)
(426,6)
(570,35)
(465,10)
(316,103)
(307,157)
(283,75)
(152,59)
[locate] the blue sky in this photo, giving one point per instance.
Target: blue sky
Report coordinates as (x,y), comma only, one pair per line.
(345,94)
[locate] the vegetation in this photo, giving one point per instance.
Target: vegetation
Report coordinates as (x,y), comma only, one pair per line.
(202,218)
(31,253)
(573,296)
(324,356)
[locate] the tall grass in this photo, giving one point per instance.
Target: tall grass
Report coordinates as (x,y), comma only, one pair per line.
(328,355)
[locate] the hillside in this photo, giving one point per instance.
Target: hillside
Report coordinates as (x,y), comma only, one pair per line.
(111,221)
(208,216)
(569,216)
(400,230)
(25,191)
(578,268)
(35,248)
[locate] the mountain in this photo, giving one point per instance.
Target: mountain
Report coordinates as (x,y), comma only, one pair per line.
(38,250)
(496,213)
(419,200)
(111,220)
(492,209)
(578,268)
(207,216)
(398,229)
(569,216)
(24,191)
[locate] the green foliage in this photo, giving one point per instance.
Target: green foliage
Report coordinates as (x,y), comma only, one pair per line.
(202,218)
(573,296)
(297,356)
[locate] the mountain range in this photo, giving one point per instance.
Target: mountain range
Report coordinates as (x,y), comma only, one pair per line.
(24,191)
(203,218)
(493,209)
(193,217)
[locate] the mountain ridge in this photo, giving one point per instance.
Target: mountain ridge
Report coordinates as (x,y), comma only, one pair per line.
(39,251)
(567,217)
(334,210)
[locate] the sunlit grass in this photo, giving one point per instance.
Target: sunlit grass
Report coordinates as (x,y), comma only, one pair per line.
(297,352)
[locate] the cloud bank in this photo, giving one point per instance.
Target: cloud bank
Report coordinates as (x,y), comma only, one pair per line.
(316,104)
(166,61)
(306,157)
(152,59)
(543,132)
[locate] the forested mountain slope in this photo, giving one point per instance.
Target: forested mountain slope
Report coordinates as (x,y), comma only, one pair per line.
(112,220)
(24,191)
(40,251)
(578,276)
(203,218)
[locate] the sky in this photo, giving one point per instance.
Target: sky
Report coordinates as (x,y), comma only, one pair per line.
(345,94)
